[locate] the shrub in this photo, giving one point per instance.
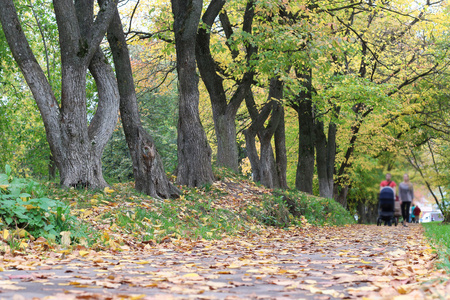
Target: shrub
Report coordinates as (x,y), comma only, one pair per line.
(285,208)
(23,205)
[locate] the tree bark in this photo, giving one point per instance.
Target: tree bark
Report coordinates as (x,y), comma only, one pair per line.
(75,146)
(194,154)
(224,111)
(148,170)
(303,106)
(280,151)
(265,168)
(340,193)
(325,157)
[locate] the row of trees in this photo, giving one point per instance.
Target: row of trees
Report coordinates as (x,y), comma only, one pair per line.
(356,75)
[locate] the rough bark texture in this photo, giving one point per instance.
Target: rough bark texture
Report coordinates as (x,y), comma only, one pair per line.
(303,105)
(75,146)
(224,111)
(325,157)
(148,169)
(194,153)
(266,169)
(280,151)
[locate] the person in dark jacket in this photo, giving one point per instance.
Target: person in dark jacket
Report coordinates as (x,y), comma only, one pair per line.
(406,193)
(416,213)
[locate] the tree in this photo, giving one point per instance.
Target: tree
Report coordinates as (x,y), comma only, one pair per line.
(194,153)
(224,111)
(76,146)
(148,170)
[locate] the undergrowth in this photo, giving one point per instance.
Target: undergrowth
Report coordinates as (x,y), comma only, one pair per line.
(119,215)
(26,211)
(290,207)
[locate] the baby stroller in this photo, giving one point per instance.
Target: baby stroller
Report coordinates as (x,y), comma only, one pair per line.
(386,205)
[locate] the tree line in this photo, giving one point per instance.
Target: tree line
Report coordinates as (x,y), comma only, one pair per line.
(357,76)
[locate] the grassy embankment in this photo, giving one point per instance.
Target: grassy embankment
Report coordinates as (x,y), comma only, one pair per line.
(439,236)
(119,216)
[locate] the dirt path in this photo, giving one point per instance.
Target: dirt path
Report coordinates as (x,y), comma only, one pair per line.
(315,263)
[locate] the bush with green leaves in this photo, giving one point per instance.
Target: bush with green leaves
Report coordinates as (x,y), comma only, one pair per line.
(286,207)
(23,204)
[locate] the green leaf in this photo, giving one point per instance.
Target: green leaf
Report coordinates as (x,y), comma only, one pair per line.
(8,170)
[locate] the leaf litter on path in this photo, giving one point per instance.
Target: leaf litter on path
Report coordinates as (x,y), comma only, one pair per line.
(350,262)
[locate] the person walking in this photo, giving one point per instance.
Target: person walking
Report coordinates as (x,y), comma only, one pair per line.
(406,193)
(416,213)
(388,182)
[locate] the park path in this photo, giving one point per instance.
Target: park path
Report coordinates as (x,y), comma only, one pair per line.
(347,262)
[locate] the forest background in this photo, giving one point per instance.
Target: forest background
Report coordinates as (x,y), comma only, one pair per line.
(333,94)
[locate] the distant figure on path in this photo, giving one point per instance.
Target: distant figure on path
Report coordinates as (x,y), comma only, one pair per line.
(412,214)
(388,182)
(416,213)
(406,193)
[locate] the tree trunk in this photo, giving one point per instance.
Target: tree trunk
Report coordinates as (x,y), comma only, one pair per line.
(51,168)
(280,151)
(303,106)
(269,176)
(227,151)
(194,154)
(148,170)
(252,152)
(325,157)
(340,194)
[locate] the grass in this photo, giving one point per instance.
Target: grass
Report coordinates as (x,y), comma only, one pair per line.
(439,236)
(120,216)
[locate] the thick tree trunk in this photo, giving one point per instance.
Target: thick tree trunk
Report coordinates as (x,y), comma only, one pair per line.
(325,158)
(227,151)
(280,151)
(269,174)
(303,106)
(194,154)
(148,169)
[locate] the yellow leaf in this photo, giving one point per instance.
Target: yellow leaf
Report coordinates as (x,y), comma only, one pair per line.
(65,238)
(142,262)
(5,234)
(20,233)
(137,297)
(23,244)
(83,253)
(108,190)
